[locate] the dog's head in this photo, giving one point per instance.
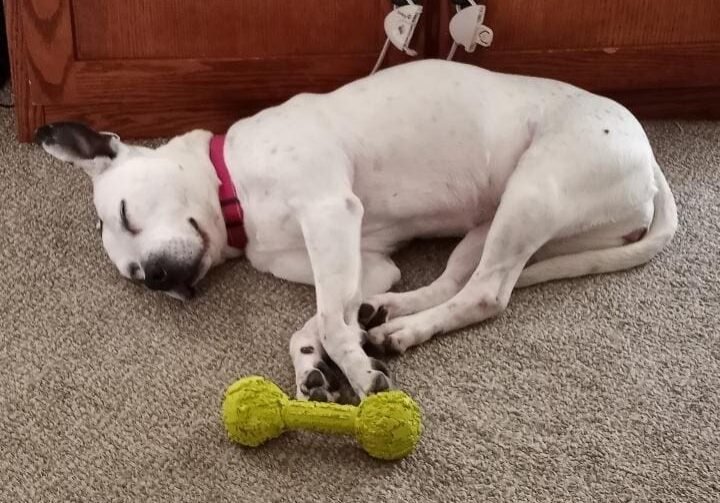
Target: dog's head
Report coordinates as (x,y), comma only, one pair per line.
(158,209)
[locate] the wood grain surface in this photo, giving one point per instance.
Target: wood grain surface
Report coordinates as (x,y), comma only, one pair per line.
(159,68)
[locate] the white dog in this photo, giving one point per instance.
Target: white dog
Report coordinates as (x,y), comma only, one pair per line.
(543,180)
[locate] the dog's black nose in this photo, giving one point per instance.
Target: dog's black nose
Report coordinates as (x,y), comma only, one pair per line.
(160,275)
(167,274)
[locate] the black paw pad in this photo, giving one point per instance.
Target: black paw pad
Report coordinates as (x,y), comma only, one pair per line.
(314,379)
(369,318)
(318,395)
(365,313)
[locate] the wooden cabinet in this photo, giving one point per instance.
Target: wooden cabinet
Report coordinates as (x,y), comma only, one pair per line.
(148,68)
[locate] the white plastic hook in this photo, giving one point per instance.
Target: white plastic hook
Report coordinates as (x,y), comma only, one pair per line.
(467,29)
(400,24)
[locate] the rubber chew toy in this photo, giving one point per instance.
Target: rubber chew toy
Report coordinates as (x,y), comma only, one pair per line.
(386,425)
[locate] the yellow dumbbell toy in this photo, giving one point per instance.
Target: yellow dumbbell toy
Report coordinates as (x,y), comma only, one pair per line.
(387,425)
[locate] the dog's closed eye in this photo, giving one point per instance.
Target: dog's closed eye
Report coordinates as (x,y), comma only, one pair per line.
(124,219)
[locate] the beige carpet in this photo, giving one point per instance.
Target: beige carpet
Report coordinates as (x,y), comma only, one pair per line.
(605,389)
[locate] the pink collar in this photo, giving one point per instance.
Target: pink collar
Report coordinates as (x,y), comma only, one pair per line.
(231,208)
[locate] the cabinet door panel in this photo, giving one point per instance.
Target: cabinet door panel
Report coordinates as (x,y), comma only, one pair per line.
(605,45)
(226,56)
(214,29)
(573,24)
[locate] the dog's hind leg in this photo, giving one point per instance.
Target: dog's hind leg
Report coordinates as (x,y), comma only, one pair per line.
(464,259)
(529,215)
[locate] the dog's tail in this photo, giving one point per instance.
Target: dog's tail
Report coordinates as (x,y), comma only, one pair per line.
(661,231)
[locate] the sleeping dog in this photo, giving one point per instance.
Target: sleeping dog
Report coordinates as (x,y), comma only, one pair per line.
(540,179)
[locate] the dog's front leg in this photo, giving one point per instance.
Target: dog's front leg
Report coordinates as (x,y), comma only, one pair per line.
(331,229)
(316,375)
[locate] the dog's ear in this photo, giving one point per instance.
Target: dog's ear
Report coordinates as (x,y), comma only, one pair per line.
(79,144)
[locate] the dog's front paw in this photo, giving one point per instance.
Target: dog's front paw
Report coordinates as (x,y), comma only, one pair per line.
(326,383)
(375,380)
(371,377)
(322,384)
(381,380)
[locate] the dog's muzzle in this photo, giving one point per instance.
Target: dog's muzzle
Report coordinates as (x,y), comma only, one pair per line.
(167,275)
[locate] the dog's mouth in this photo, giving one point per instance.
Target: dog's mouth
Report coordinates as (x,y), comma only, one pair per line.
(183,291)
(187,290)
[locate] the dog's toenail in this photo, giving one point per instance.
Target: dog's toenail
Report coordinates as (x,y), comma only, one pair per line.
(389,348)
(379,365)
(380,383)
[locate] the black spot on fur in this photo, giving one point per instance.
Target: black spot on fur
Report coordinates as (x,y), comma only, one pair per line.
(607,131)
(350,204)
(307,350)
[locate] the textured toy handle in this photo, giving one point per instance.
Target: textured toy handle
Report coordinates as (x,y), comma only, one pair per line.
(320,416)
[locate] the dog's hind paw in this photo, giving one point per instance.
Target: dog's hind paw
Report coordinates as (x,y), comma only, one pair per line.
(399,334)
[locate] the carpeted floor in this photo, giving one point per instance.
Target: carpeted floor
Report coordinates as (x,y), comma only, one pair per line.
(604,389)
